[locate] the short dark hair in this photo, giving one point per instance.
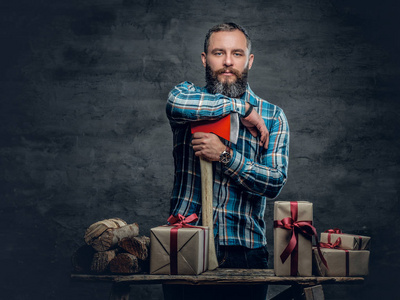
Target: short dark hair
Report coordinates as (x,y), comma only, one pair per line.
(226,27)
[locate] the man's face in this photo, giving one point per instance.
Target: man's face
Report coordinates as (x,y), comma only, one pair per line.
(227,62)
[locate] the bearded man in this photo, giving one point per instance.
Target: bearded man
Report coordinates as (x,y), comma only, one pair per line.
(246,174)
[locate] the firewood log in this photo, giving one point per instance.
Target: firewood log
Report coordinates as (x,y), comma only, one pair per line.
(125,263)
(101,260)
(96,229)
(82,258)
(138,246)
(109,239)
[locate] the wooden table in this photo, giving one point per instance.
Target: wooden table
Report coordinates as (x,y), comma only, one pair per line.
(309,288)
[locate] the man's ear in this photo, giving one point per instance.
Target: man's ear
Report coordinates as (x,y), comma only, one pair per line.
(251,59)
(204,59)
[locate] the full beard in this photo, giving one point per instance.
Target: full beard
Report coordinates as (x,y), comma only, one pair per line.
(230,89)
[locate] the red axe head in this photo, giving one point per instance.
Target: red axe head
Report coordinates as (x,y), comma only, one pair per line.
(226,127)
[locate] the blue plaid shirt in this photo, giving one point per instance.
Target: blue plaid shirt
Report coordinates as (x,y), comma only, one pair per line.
(241,187)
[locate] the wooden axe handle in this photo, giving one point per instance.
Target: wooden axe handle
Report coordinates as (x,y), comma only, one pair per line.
(207,209)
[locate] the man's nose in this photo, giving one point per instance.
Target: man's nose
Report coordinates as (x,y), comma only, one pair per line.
(228,61)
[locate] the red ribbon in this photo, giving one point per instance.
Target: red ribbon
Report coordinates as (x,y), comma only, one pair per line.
(347,262)
(303,227)
(179,221)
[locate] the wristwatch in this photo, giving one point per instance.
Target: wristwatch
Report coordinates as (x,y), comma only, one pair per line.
(225,156)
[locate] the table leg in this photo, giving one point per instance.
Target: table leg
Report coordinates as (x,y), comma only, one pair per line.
(120,291)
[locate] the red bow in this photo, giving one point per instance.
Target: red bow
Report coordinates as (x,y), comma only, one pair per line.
(181,221)
(330,231)
(303,227)
(329,245)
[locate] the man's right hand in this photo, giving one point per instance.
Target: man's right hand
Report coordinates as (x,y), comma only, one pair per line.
(255,124)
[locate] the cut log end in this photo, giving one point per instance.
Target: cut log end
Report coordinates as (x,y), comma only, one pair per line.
(82,258)
(125,263)
(101,261)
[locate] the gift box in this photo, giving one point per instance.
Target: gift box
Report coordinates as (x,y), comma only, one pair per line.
(293,238)
(178,250)
(347,241)
(342,263)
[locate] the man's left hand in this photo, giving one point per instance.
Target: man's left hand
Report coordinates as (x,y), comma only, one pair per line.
(208,146)
(256,125)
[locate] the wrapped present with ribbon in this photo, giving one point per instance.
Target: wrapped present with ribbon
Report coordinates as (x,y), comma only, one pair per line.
(179,248)
(293,232)
(342,263)
(347,241)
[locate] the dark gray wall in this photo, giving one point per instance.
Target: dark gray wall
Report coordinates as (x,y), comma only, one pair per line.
(84,134)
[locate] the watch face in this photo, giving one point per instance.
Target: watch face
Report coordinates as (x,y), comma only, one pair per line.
(225,157)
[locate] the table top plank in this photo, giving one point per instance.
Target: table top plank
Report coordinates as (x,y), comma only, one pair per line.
(218,277)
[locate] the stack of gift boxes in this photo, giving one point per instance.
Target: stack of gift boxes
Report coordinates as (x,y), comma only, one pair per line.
(346,254)
(180,248)
(336,255)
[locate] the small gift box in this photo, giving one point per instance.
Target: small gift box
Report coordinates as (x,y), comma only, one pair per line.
(342,262)
(179,248)
(347,241)
(293,233)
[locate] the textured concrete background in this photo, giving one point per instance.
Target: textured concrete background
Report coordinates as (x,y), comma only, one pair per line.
(84,136)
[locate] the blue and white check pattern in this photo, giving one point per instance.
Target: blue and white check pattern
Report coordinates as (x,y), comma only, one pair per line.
(242,187)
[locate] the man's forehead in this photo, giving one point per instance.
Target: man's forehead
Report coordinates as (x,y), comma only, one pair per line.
(228,40)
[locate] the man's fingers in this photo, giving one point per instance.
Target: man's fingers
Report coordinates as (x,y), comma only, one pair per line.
(198,138)
(207,146)
(198,135)
(266,141)
(264,136)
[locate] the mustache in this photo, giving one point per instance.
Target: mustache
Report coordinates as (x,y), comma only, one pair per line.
(231,70)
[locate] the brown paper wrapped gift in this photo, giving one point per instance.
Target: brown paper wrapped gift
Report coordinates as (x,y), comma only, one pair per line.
(347,241)
(342,263)
(191,255)
(299,263)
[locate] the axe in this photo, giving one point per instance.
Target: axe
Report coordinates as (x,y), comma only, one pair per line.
(228,129)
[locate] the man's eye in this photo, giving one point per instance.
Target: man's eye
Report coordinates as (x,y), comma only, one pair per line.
(238,54)
(218,53)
